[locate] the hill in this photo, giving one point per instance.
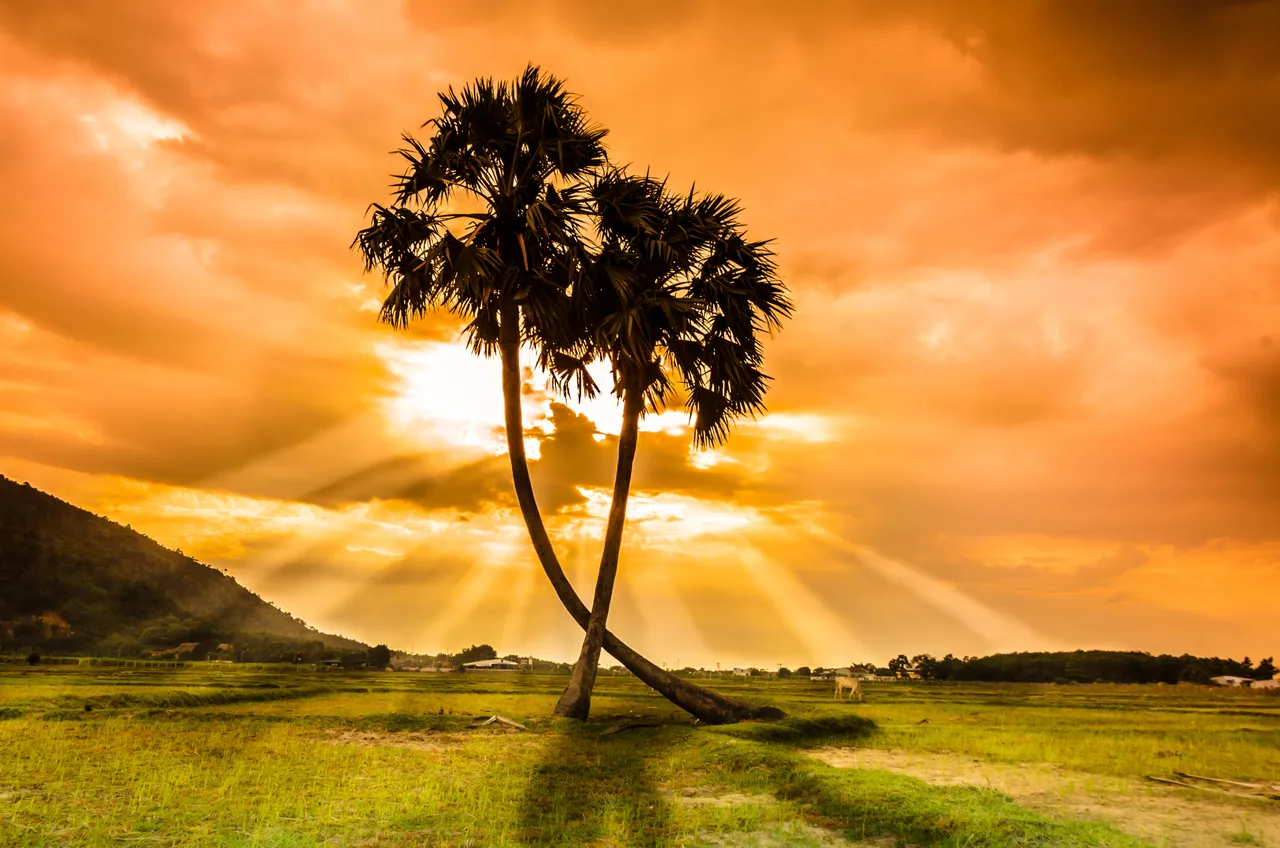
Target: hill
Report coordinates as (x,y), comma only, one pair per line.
(71,581)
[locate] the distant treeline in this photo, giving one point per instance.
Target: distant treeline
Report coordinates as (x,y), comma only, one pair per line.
(1084,667)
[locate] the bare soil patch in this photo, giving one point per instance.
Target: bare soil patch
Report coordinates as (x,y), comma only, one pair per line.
(1168,817)
(413,740)
(791,835)
(700,797)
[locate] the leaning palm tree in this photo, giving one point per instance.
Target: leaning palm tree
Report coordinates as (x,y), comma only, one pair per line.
(486,223)
(674,293)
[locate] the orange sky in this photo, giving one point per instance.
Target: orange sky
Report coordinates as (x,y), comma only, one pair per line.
(1030,397)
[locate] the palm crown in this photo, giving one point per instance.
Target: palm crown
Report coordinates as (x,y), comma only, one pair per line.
(676,291)
(672,287)
(518,151)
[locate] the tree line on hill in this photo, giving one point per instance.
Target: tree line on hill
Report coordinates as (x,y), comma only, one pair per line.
(75,583)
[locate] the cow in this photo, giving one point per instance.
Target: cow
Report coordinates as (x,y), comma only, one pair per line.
(853,684)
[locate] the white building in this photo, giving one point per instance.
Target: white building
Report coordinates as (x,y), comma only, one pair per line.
(492,665)
(1231,680)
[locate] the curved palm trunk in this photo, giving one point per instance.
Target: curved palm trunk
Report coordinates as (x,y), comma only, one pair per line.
(576,700)
(706,706)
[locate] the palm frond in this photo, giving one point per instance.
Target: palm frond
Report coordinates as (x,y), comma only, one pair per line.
(676,291)
(503,144)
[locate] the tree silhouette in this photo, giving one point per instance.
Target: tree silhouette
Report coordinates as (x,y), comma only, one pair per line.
(521,152)
(379,656)
(1265,670)
(675,297)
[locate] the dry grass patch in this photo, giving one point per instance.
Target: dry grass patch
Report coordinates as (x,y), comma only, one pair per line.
(1168,817)
(696,796)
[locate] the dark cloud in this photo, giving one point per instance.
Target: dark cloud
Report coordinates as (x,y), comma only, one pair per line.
(180,428)
(417,478)
(1059,76)
(1193,76)
(273,102)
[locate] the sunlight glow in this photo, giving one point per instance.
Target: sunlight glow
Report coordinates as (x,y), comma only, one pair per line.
(123,123)
(822,630)
(445,394)
(665,617)
(666,519)
(459,606)
(705,458)
(795,426)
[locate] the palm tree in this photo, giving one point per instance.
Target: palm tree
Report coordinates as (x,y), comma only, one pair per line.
(518,153)
(675,291)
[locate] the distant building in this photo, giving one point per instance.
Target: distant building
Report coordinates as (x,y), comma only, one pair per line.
(492,665)
(349,664)
(1273,683)
(742,672)
(1231,680)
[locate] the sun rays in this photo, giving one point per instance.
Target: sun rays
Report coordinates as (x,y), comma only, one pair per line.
(315,538)
(1003,632)
(447,574)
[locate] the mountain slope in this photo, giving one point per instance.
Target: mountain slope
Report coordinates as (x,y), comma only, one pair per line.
(71,580)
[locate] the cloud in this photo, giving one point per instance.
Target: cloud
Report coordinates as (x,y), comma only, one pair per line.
(1035,254)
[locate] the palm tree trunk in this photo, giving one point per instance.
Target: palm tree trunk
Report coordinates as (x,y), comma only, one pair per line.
(705,705)
(576,700)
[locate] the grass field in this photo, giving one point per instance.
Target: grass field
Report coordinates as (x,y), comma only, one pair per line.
(231,756)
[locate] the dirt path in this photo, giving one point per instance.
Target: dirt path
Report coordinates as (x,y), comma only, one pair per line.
(1166,817)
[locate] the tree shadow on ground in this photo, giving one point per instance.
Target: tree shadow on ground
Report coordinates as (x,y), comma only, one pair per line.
(587,787)
(801,732)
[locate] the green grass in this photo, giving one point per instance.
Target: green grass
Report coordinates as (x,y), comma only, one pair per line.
(1111,730)
(193,757)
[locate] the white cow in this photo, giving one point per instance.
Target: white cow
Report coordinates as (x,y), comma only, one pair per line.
(853,684)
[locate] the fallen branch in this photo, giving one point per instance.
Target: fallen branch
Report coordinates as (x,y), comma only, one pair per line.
(1269,793)
(1166,780)
(1257,787)
(497,719)
(627,725)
